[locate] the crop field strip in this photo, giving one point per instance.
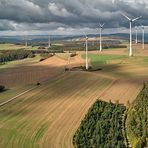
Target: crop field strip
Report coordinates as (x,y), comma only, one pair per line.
(128,89)
(69,118)
(44,107)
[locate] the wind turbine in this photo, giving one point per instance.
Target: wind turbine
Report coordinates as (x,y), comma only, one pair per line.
(131,21)
(101,27)
(136,34)
(86,50)
(143,36)
(49,42)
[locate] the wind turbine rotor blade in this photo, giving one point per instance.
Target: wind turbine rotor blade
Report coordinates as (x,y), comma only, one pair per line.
(136,19)
(102,25)
(83,33)
(126,17)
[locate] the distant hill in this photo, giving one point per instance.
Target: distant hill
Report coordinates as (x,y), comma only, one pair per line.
(44,38)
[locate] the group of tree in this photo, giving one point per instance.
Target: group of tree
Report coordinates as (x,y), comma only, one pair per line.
(101,127)
(15,55)
(137,120)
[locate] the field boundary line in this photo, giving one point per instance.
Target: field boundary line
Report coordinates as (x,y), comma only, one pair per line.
(6,102)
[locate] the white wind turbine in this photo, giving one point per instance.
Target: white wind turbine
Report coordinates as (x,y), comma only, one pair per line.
(143,36)
(101,27)
(131,21)
(49,42)
(136,28)
(86,51)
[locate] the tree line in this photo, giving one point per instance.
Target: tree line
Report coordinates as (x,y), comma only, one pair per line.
(15,55)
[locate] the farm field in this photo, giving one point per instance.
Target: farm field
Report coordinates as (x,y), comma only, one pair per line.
(10,93)
(31,73)
(55,109)
(50,114)
(10,47)
(18,63)
(16,47)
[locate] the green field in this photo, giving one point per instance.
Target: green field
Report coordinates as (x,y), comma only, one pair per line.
(10,47)
(99,60)
(16,47)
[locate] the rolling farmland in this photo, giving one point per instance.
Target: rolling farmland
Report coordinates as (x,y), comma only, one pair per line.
(50,114)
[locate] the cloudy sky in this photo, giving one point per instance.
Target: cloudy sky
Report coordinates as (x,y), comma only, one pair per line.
(68,16)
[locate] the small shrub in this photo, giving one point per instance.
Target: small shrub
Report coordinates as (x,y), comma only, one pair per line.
(42,59)
(38,83)
(2,88)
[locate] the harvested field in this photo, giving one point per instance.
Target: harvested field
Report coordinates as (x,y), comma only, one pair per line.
(49,115)
(124,90)
(10,93)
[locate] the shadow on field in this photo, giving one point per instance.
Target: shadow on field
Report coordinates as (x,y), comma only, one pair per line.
(33,74)
(12,77)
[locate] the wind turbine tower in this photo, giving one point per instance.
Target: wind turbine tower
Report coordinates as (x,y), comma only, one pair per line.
(49,42)
(136,35)
(86,53)
(26,41)
(143,36)
(131,21)
(101,27)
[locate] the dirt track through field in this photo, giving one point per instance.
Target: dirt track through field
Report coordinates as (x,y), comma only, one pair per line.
(11,99)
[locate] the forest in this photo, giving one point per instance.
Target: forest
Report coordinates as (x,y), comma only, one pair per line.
(137,120)
(7,56)
(101,127)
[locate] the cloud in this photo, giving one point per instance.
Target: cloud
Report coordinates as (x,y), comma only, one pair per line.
(52,15)
(58,10)
(6,25)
